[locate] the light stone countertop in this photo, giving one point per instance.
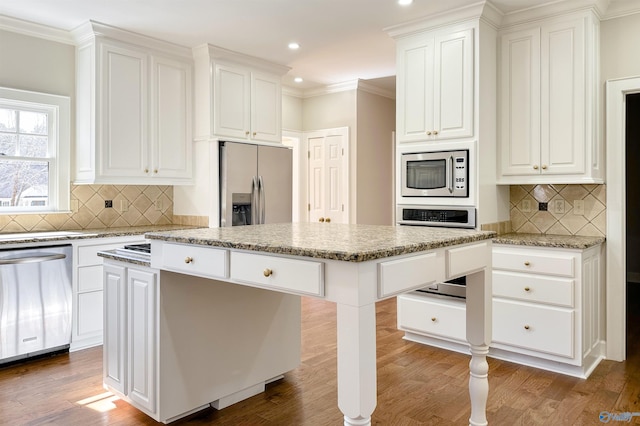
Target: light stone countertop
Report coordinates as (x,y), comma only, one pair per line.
(353,243)
(555,241)
(68,235)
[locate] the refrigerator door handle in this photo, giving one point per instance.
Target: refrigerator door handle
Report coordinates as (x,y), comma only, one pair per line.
(262,196)
(254,201)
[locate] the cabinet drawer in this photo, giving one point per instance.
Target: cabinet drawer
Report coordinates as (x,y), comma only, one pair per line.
(432,315)
(467,259)
(542,329)
(554,263)
(291,275)
(412,272)
(88,255)
(534,288)
(201,261)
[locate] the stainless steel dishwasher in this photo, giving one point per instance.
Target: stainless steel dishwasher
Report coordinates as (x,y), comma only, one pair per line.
(35,301)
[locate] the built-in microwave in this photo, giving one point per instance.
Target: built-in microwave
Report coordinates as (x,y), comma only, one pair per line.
(435,174)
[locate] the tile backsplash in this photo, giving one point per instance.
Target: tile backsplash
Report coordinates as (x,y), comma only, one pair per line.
(133,205)
(571,209)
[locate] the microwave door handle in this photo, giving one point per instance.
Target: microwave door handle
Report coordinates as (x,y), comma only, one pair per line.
(450,174)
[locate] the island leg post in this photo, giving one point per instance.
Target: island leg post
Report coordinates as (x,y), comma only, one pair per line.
(356,363)
(479,336)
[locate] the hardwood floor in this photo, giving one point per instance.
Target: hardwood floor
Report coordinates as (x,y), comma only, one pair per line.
(417,385)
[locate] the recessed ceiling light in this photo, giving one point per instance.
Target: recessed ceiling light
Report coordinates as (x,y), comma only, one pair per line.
(298,79)
(405,2)
(293,45)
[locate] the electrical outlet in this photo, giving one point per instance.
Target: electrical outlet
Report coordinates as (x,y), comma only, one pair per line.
(558,206)
(525,206)
(158,204)
(108,204)
(543,207)
(578,207)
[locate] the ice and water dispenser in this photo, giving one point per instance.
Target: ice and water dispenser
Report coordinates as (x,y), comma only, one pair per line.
(241,209)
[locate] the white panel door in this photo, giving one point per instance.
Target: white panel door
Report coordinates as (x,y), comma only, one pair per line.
(327,181)
(266,108)
(453,85)
(123,112)
(232,102)
(520,103)
(115,329)
(414,88)
(171,119)
(141,292)
(562,98)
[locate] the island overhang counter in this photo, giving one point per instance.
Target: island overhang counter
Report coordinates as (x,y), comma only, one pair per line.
(353,266)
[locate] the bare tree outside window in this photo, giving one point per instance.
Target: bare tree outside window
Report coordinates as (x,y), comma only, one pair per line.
(24,158)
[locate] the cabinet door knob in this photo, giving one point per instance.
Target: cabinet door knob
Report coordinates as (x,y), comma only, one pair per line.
(429,133)
(435,132)
(254,134)
(267,272)
(434,319)
(526,327)
(526,263)
(328,220)
(535,167)
(188,259)
(321,219)
(544,167)
(146,170)
(527,289)
(155,171)
(247,133)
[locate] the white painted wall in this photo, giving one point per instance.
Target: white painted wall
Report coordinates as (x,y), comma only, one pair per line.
(374,156)
(291,113)
(619,40)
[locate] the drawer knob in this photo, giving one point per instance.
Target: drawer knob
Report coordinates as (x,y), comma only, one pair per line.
(527,289)
(526,263)
(526,327)
(434,319)
(267,272)
(188,259)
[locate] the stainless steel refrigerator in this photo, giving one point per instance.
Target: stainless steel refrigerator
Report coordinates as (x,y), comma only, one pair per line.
(255,184)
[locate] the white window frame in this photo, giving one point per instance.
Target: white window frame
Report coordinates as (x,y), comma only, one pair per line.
(59,111)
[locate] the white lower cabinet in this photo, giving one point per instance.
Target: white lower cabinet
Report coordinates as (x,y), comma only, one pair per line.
(88,290)
(548,310)
(245,337)
(131,327)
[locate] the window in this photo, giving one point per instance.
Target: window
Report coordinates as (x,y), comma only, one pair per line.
(34,152)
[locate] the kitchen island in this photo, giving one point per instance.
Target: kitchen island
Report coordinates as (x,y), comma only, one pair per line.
(353,266)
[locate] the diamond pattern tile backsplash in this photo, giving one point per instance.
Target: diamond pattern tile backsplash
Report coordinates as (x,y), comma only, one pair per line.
(133,205)
(571,209)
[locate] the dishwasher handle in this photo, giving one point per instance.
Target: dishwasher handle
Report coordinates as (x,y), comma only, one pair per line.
(32,259)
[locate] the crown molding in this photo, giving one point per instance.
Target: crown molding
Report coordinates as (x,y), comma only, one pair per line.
(554,8)
(336,88)
(621,8)
(212,52)
(32,29)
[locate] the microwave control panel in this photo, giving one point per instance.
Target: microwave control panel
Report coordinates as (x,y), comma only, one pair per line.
(460,173)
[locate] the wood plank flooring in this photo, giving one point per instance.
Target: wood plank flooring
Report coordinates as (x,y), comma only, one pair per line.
(417,385)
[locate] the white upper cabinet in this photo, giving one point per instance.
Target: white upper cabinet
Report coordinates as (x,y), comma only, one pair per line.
(134,109)
(435,75)
(238,97)
(548,129)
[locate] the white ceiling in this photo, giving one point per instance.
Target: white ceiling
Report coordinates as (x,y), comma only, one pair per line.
(341,40)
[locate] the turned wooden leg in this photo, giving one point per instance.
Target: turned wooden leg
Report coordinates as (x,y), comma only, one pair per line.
(479,337)
(356,363)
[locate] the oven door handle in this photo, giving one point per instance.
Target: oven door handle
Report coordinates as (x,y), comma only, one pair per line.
(450,174)
(31,259)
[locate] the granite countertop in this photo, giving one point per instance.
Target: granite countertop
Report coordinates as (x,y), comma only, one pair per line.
(542,240)
(39,237)
(353,243)
(136,259)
